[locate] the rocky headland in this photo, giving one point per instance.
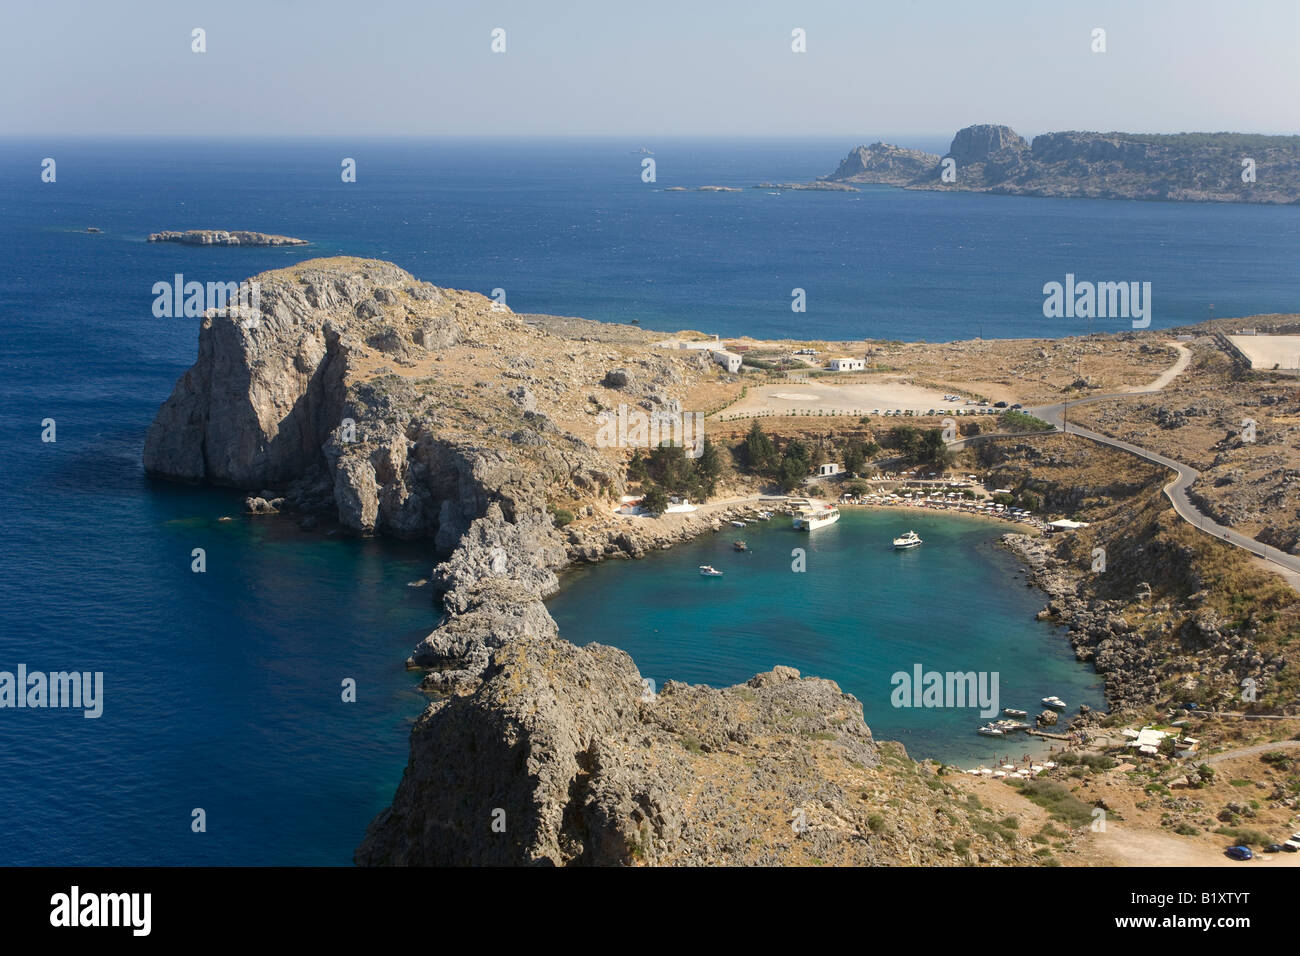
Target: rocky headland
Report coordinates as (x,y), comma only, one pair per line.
(220,237)
(1197,167)
(387,405)
(370,400)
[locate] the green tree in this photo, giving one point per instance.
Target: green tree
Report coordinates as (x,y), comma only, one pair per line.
(708,468)
(760,453)
(636,467)
(855,457)
(655,500)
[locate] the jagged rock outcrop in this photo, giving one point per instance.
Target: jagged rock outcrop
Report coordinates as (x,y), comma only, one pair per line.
(300,398)
(882,163)
(405,409)
(259,402)
(1213,167)
(576,762)
(539,752)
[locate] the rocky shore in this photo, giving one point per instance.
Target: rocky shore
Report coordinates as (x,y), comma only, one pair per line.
(349,402)
(1194,167)
(220,237)
(1136,655)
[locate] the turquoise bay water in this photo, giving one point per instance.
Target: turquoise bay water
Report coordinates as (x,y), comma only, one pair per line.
(859,613)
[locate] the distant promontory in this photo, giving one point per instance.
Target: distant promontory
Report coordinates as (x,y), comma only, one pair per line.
(1196,167)
(220,237)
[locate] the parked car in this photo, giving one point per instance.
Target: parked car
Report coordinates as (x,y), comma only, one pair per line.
(1239,853)
(1273,848)
(1291,846)
(999,404)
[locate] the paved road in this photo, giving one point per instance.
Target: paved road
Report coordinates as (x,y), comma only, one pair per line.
(1175,491)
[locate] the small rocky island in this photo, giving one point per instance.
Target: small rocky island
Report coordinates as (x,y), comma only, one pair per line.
(220,237)
(1192,167)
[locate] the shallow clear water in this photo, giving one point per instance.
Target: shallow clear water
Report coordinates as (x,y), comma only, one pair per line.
(858,614)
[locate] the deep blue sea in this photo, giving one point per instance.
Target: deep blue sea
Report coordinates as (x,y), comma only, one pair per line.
(223,688)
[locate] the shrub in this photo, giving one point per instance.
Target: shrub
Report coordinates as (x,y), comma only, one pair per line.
(1059,802)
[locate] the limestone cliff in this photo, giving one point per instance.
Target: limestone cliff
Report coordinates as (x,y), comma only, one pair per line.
(363,393)
(402,408)
(882,163)
(1186,166)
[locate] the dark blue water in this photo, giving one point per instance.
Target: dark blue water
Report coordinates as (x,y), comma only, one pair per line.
(223,688)
(858,613)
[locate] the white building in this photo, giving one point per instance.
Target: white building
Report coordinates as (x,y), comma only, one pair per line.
(728,360)
(1065,524)
(848,365)
(680,344)
(830,468)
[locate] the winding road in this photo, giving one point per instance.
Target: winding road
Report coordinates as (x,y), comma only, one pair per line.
(1175,491)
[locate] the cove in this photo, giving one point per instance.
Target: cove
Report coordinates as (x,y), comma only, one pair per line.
(859,614)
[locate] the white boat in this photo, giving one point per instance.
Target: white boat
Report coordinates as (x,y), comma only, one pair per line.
(738,524)
(1012,712)
(988,730)
(765,516)
(709,571)
(909,540)
(812,518)
(1054,702)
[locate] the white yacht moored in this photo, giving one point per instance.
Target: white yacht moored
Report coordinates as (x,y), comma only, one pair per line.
(709,571)
(909,540)
(1054,702)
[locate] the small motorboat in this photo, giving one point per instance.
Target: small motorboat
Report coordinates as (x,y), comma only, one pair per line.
(740,546)
(988,730)
(765,516)
(1054,702)
(1012,712)
(738,524)
(909,540)
(709,571)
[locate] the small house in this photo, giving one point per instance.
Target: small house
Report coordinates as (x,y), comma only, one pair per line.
(848,365)
(728,360)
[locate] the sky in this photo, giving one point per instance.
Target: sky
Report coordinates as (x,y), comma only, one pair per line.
(660,67)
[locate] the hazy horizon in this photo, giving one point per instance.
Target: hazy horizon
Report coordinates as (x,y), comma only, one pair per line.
(900,72)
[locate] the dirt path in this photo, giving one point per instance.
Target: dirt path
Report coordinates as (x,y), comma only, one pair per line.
(1251,751)
(1124,845)
(1169,374)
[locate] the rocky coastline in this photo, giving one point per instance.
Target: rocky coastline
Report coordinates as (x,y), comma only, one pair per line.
(1129,641)
(532,751)
(368,399)
(1187,167)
